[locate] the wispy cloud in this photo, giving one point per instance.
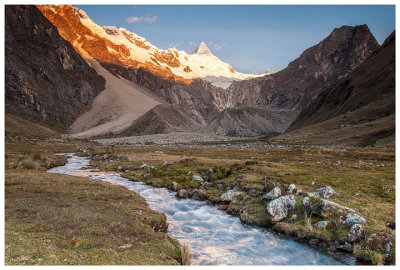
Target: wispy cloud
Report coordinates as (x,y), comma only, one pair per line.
(174,45)
(191,43)
(146,19)
(217,46)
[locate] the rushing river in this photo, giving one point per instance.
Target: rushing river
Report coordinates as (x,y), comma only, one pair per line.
(213,236)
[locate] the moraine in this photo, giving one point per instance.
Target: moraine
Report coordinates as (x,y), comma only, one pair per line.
(213,236)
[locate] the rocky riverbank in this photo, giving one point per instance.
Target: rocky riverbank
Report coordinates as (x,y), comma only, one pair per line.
(308,211)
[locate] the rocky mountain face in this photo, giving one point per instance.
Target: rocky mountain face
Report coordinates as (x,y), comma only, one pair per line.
(163,118)
(371,83)
(45,79)
(304,78)
(358,110)
(197,99)
(251,122)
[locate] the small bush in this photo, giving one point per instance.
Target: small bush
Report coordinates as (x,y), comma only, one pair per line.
(251,162)
(36,157)
(186,257)
(28,164)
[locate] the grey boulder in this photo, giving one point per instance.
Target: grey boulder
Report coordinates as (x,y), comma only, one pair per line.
(278,209)
(273,194)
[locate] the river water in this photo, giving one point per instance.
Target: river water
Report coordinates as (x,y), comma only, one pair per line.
(213,236)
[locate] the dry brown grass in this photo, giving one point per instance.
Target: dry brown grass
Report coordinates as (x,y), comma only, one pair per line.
(29,164)
(53,219)
(186,257)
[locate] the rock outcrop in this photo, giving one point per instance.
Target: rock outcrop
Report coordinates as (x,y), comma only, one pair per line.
(45,79)
(250,122)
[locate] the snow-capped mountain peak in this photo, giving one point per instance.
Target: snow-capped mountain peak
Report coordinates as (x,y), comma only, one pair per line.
(203,49)
(118,46)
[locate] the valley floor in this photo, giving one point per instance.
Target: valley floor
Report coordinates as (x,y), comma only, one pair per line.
(58,219)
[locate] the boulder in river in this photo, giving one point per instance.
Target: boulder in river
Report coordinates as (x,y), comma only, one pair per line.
(278,209)
(173,186)
(273,194)
(223,207)
(182,193)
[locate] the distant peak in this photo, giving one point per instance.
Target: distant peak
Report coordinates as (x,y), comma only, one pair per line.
(203,49)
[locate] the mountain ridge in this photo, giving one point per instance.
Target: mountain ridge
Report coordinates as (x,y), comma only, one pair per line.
(113,45)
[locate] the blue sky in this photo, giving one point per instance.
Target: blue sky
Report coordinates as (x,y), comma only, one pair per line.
(250,38)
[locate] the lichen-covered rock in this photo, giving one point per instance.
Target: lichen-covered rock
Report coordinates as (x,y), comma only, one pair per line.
(273,194)
(323,208)
(230,196)
(326,192)
(313,194)
(355,234)
(278,209)
(197,177)
(350,219)
(321,224)
(291,188)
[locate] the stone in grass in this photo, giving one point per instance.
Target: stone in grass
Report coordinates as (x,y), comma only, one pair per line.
(293,218)
(230,196)
(146,167)
(321,224)
(356,233)
(291,188)
(273,194)
(220,186)
(322,208)
(326,192)
(278,209)
(165,163)
(350,219)
(197,177)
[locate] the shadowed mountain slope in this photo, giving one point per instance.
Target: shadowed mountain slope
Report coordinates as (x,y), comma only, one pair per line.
(359,109)
(45,79)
